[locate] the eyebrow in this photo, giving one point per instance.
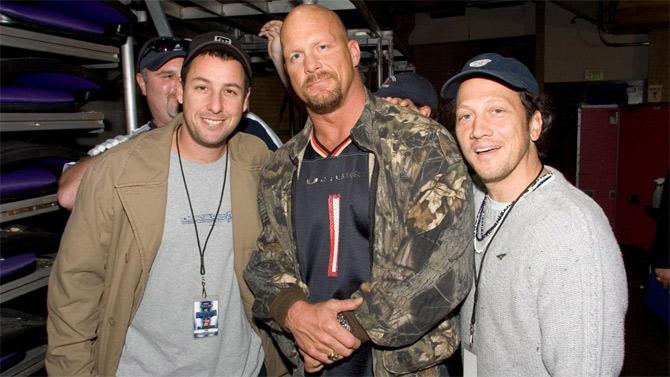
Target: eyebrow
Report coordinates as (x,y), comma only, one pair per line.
(227,85)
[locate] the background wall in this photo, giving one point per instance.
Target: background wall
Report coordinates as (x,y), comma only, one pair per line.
(569,48)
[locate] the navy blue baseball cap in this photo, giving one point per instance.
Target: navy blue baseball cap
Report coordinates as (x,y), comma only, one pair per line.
(157,51)
(412,86)
(508,71)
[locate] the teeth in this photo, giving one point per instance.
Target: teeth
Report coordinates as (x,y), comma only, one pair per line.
(481,150)
(213,122)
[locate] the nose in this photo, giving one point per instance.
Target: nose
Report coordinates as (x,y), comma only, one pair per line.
(480,128)
(214,103)
(312,63)
(174,83)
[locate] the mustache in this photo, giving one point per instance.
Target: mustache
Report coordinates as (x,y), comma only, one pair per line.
(317,76)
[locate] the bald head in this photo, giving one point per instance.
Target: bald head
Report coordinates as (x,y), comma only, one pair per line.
(320,59)
(313,15)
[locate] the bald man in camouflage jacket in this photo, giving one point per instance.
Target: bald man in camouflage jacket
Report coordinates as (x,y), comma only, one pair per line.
(402,190)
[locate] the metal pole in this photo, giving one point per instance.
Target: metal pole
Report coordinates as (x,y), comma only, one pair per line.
(390,57)
(380,61)
(129,93)
(158,17)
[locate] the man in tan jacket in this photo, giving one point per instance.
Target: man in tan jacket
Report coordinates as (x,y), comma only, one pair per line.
(148,278)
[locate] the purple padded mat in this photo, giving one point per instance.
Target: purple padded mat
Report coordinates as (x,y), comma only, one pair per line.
(13,94)
(20,331)
(9,360)
(89,16)
(26,179)
(54,81)
(16,266)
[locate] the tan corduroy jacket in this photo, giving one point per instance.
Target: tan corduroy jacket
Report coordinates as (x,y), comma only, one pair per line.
(112,238)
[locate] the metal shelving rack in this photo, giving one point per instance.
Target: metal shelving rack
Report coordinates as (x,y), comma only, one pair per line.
(15,122)
(33,362)
(28,283)
(99,56)
(29,207)
(35,41)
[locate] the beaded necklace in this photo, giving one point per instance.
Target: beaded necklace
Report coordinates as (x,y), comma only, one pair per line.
(479,224)
(480,221)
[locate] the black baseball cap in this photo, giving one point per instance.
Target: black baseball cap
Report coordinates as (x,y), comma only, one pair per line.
(409,85)
(215,40)
(508,71)
(157,51)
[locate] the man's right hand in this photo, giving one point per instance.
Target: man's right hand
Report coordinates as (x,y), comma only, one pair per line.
(317,331)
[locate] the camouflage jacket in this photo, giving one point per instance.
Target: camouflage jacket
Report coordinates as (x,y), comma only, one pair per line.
(422,226)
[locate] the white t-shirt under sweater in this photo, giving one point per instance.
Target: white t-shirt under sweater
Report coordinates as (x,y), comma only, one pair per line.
(160,340)
(553,293)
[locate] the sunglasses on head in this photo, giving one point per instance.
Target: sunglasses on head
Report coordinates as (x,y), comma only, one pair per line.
(165,44)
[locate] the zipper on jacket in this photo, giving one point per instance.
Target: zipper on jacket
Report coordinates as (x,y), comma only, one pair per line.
(372,198)
(373,206)
(291,214)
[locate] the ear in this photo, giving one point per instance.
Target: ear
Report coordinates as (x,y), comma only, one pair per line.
(354,51)
(246,101)
(180,92)
(141,83)
(536,126)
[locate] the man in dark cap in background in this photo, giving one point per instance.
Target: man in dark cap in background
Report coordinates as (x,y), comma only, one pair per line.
(148,277)
(549,296)
(409,89)
(158,76)
(158,71)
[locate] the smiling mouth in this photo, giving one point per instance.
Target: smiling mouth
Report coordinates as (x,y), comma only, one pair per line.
(213,122)
(485,149)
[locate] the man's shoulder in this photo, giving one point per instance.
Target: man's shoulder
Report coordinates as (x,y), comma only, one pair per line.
(567,200)
(118,140)
(254,125)
(569,215)
(404,125)
(389,115)
(249,149)
(141,152)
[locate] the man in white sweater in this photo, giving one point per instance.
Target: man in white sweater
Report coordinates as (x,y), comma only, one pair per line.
(550,296)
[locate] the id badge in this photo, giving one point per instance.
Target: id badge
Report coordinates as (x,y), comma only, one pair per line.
(469,363)
(205,317)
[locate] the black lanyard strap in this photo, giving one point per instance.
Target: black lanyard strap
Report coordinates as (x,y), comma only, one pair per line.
(201,249)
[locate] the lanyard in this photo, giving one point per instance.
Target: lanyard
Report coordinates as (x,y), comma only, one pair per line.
(478,274)
(201,249)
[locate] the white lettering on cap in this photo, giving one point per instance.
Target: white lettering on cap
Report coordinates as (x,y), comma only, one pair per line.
(222,39)
(480,63)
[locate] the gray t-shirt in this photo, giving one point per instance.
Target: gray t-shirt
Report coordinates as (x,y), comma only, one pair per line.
(160,339)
